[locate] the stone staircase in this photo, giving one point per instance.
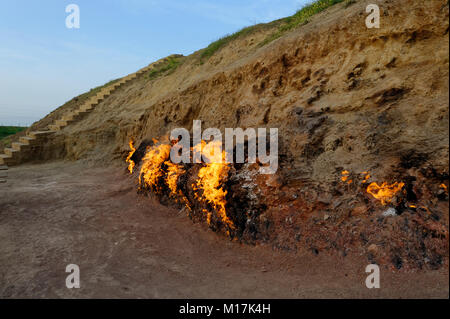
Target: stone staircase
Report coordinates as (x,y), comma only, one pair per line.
(20,151)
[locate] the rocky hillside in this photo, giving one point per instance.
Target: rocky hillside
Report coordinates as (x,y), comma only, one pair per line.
(354,106)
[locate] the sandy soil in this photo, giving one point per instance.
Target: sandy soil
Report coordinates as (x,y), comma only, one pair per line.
(129,246)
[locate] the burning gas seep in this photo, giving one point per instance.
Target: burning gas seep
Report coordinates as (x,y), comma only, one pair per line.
(385,192)
(238,200)
(399,195)
(131,163)
(206,193)
(204,187)
(211,178)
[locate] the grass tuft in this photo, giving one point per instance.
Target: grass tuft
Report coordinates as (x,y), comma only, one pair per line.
(168,67)
(216,45)
(301,17)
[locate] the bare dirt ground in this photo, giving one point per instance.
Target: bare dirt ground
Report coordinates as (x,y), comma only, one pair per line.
(128,246)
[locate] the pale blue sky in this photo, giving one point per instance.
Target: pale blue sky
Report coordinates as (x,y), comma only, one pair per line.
(43,64)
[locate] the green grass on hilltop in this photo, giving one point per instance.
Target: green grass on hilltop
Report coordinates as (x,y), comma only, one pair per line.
(216,45)
(168,67)
(286,24)
(301,17)
(10,130)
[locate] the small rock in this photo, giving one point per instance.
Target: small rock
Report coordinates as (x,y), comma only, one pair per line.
(336,204)
(373,249)
(272,181)
(390,212)
(441,194)
(325,199)
(358,210)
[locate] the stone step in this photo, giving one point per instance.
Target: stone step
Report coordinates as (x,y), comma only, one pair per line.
(93,100)
(72,117)
(20,146)
(3,168)
(11,152)
(6,160)
(63,123)
(81,113)
(97,100)
(55,127)
(89,104)
(2,180)
(38,134)
(3,174)
(88,107)
(27,140)
(69,117)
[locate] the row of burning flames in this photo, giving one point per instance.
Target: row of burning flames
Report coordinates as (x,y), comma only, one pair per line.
(209,185)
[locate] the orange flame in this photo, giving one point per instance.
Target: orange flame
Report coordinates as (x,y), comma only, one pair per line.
(151,169)
(444,187)
(128,160)
(173,172)
(208,217)
(366,177)
(211,178)
(208,187)
(385,192)
(345,176)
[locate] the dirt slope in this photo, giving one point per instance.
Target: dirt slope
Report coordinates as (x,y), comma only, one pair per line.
(344,97)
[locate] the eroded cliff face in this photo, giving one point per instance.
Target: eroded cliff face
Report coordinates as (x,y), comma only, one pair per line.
(348,102)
